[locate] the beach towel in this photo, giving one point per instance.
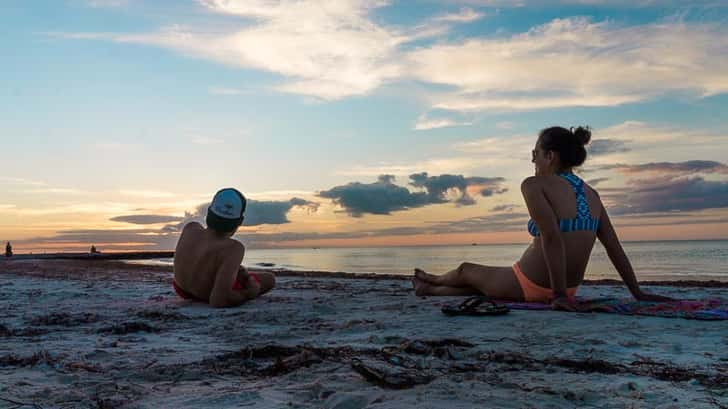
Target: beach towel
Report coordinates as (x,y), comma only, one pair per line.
(709,309)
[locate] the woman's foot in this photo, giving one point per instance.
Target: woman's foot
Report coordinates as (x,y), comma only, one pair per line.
(421,287)
(426,277)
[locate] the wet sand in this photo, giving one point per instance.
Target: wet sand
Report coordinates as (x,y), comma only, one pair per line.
(106,334)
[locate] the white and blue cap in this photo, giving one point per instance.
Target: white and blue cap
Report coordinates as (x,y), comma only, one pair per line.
(226,211)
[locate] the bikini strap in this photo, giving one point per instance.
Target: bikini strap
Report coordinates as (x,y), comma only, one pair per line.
(582,207)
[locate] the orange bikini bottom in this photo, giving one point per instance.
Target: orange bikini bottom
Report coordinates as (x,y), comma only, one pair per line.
(535,293)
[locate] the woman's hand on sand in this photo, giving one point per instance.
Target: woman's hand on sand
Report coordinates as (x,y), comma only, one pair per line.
(652,297)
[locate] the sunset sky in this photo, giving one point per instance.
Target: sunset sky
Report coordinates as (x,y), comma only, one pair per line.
(353,122)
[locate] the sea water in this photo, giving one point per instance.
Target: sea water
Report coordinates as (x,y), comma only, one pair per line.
(663,260)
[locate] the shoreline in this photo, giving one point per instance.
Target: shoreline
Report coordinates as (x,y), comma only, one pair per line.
(99,269)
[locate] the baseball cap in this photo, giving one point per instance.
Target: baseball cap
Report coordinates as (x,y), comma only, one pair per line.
(226,211)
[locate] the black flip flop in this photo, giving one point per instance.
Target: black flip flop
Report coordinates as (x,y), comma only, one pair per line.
(474,306)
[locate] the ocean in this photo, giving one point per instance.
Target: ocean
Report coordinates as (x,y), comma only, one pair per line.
(663,260)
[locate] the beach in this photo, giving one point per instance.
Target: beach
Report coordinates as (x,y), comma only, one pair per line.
(105,334)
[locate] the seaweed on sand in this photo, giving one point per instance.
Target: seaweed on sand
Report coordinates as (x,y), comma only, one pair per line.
(64,319)
(30,360)
(6,331)
(127,328)
(390,376)
(161,315)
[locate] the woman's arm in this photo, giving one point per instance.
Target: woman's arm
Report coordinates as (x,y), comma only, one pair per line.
(552,242)
(608,237)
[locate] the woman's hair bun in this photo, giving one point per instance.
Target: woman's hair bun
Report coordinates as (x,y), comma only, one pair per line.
(582,134)
(569,143)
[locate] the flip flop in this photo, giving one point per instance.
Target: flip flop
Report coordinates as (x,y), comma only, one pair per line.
(474,306)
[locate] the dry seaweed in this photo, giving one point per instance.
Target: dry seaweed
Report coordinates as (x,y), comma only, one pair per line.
(31,360)
(390,376)
(127,328)
(64,319)
(7,332)
(161,315)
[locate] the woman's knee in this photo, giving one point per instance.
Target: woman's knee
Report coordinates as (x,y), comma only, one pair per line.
(467,268)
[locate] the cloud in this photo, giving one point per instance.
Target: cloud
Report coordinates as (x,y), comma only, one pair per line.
(504,208)
(498,101)
(336,49)
(439,165)
(438,186)
(672,169)
(682,194)
(571,62)
(668,187)
(327,50)
(493,223)
(227,91)
(256,213)
(274,212)
(133,237)
(424,123)
(150,194)
(146,219)
(380,197)
(383,196)
(107,3)
(465,15)
(600,147)
(644,135)
(596,181)
(21,181)
(55,190)
(207,141)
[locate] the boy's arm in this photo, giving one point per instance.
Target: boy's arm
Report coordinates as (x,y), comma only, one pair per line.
(251,287)
(222,294)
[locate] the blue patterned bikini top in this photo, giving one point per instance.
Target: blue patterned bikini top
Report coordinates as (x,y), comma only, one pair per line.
(583,220)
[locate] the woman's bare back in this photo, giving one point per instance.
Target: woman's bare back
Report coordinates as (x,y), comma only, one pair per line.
(578,244)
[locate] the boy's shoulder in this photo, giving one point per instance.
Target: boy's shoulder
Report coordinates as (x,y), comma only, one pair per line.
(193,226)
(234,244)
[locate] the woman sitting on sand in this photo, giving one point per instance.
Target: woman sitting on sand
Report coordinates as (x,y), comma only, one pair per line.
(207,260)
(567,216)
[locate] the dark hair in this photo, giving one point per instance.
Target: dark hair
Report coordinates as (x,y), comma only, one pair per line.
(220,224)
(569,143)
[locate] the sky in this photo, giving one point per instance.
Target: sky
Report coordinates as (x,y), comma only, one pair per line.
(353,122)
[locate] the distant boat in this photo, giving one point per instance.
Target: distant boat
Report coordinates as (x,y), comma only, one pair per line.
(473,244)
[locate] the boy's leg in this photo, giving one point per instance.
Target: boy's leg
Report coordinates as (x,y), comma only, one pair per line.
(266,280)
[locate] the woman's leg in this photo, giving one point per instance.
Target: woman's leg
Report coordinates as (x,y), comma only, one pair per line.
(423,288)
(496,282)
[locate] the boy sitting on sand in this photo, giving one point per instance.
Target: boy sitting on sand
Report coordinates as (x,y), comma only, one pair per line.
(207,260)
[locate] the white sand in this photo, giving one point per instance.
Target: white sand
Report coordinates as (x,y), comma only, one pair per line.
(183,364)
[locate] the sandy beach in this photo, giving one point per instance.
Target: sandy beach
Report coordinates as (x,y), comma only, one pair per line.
(103,334)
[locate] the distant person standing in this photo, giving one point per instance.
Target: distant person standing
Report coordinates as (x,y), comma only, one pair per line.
(8,250)
(94,250)
(207,260)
